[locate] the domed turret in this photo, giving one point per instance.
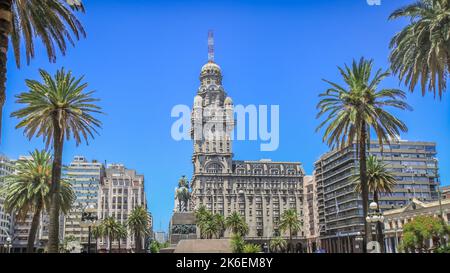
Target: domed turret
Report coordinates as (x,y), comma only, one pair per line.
(211,69)
(198,100)
(228,102)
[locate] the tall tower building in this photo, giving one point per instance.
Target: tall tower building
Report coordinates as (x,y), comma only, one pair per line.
(259,190)
(85,178)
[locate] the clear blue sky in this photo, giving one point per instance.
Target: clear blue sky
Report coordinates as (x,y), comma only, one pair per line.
(144,57)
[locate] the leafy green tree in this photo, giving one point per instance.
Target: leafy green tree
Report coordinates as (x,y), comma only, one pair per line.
(237,243)
(379,180)
(154,246)
(24,20)
(420,230)
(290,222)
(139,224)
(28,190)
(419,52)
(236,223)
(251,248)
(57,109)
(69,244)
(353,111)
(278,244)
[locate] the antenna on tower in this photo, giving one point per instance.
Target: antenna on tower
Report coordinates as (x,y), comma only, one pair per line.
(211,46)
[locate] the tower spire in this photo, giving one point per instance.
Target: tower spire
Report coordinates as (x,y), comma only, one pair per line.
(211,46)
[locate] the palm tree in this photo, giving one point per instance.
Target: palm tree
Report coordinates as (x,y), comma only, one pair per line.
(237,243)
(289,221)
(219,222)
(51,20)
(57,109)
(28,190)
(97,232)
(353,111)
(277,244)
(138,222)
(237,224)
(202,217)
(110,228)
(121,234)
(210,228)
(251,248)
(420,52)
(379,180)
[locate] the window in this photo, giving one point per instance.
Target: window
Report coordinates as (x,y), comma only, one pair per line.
(214,168)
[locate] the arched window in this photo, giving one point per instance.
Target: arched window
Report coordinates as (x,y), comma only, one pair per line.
(240,171)
(274,171)
(214,168)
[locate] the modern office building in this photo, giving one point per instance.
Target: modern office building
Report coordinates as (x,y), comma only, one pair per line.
(85,178)
(6,220)
(259,190)
(414,166)
(311,213)
(395,219)
(122,190)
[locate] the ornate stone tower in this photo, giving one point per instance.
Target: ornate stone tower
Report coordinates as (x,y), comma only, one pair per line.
(212,124)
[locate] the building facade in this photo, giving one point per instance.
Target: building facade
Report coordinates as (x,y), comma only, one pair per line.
(311,213)
(445,191)
(85,178)
(395,219)
(414,166)
(122,190)
(259,190)
(6,220)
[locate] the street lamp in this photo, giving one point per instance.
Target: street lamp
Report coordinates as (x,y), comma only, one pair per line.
(8,244)
(89,219)
(375,217)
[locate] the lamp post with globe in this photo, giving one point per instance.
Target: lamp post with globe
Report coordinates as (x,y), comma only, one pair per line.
(376,217)
(89,219)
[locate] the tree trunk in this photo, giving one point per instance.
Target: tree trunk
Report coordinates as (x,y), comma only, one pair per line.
(380,237)
(290,241)
(110,244)
(34,229)
(364,187)
(119,245)
(5,30)
(53,228)
(137,243)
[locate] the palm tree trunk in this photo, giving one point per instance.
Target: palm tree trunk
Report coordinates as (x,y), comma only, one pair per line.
(110,244)
(53,228)
(5,30)
(290,240)
(34,229)
(380,237)
(137,243)
(364,187)
(119,245)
